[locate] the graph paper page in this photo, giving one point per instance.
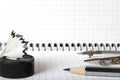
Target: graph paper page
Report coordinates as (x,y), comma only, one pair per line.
(60,21)
(49,66)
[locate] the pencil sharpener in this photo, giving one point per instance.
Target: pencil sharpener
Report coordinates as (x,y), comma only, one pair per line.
(20,68)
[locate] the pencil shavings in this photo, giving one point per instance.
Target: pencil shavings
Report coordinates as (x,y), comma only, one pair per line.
(15,47)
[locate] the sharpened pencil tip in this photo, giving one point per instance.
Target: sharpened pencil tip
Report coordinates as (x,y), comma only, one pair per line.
(67,69)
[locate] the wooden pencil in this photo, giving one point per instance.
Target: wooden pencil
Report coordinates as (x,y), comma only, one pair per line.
(95,71)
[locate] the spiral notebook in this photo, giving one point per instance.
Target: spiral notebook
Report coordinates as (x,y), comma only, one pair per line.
(58,29)
(52,58)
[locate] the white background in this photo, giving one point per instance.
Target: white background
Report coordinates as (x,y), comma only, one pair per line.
(61,20)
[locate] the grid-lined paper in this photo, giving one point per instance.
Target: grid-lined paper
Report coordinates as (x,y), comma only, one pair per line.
(49,66)
(60,21)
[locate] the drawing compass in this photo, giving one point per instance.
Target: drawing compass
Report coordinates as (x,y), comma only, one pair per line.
(102,61)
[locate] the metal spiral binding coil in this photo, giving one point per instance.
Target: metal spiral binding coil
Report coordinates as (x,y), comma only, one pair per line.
(69,46)
(74,46)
